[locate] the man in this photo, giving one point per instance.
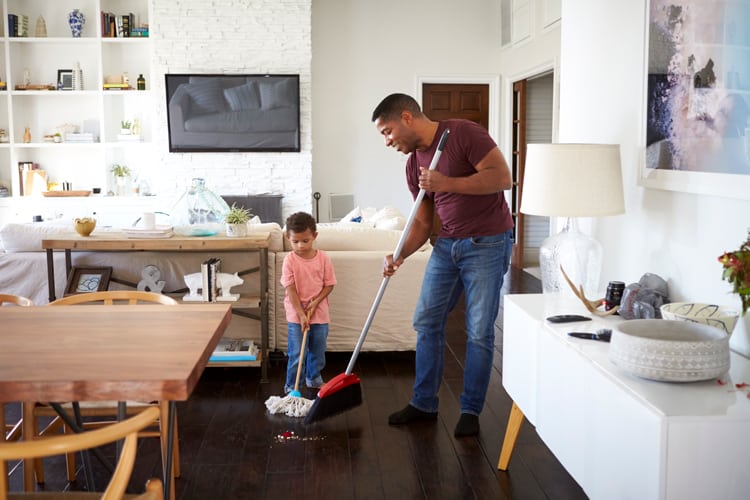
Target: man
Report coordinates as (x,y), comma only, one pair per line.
(470,255)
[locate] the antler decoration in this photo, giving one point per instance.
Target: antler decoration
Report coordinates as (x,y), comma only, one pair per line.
(591,305)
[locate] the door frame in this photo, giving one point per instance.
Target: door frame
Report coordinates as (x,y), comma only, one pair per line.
(492,81)
(507,110)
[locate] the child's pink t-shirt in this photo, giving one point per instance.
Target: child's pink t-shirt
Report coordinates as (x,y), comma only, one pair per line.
(309,276)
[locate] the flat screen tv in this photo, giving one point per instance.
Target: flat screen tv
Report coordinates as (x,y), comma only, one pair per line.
(218,113)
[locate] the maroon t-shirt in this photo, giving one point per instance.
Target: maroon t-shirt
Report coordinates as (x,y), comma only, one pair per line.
(462,215)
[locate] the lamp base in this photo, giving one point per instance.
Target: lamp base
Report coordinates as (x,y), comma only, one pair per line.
(579,254)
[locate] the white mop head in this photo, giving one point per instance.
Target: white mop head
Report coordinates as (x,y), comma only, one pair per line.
(291,405)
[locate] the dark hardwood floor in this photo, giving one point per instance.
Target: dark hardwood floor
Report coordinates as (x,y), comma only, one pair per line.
(231,448)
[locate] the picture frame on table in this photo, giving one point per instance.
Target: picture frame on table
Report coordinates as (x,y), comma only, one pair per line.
(64,79)
(88,279)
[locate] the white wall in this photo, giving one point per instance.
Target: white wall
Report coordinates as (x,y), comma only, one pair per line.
(363,51)
(675,235)
(233,36)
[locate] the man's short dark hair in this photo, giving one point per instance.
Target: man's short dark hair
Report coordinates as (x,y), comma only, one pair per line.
(299,222)
(391,107)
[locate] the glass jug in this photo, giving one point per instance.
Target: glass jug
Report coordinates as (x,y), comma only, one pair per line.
(199,212)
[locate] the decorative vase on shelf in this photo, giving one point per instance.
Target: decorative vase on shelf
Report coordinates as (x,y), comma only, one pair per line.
(76,20)
(41,27)
(27,135)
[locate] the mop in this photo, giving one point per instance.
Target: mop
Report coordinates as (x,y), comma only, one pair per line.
(344,392)
(293,404)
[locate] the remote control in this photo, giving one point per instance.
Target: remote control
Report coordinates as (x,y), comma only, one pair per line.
(567,318)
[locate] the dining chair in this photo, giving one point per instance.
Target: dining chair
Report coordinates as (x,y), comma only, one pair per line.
(70,443)
(109,408)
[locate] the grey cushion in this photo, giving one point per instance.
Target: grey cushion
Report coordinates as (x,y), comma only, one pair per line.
(277,94)
(243,96)
(207,95)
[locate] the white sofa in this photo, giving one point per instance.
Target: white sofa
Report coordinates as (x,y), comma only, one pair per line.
(357,254)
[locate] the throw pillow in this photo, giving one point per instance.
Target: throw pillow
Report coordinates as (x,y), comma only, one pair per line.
(277,94)
(243,96)
(207,95)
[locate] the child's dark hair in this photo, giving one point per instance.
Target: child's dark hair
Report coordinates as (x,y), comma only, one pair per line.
(299,222)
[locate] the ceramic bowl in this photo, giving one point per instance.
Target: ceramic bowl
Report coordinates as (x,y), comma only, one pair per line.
(84,225)
(670,350)
(708,314)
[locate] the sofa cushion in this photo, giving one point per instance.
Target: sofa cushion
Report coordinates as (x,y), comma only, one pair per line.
(353,236)
(277,94)
(28,237)
(243,96)
(207,95)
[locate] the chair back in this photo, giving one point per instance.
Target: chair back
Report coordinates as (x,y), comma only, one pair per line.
(115,297)
(57,445)
(17,300)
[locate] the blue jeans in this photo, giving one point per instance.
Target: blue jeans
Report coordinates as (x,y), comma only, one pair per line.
(315,354)
(475,266)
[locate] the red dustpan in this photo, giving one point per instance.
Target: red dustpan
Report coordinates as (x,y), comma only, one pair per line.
(343,391)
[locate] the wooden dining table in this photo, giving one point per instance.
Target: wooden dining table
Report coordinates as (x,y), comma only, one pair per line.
(108,353)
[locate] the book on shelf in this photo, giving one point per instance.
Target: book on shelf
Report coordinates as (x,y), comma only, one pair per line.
(79,137)
(235,350)
(116,86)
(209,272)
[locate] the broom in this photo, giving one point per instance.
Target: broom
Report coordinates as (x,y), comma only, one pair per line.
(343,391)
(293,404)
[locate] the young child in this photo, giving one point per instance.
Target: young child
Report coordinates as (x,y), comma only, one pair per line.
(307,275)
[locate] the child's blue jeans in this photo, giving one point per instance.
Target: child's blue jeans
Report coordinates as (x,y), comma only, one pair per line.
(315,354)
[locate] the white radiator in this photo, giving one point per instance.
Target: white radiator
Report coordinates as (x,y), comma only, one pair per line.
(340,205)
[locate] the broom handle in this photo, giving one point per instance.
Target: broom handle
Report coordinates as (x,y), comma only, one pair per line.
(396,255)
(302,352)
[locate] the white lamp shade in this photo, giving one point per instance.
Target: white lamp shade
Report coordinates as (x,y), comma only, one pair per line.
(572,180)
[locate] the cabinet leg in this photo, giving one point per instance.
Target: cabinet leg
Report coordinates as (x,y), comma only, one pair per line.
(511,434)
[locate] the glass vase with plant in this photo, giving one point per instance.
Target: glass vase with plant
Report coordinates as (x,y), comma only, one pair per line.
(737,272)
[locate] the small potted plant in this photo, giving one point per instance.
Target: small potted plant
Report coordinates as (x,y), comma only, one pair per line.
(236,220)
(122,174)
(125,127)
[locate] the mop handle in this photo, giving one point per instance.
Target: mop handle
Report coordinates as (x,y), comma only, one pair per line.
(396,255)
(302,353)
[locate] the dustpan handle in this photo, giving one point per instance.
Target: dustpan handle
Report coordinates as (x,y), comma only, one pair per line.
(396,255)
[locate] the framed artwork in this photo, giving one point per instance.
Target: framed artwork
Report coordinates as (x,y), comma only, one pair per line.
(88,279)
(64,79)
(697,128)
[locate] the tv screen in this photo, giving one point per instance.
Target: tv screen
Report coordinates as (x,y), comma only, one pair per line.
(215,113)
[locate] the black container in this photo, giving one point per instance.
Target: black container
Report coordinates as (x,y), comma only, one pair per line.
(614,294)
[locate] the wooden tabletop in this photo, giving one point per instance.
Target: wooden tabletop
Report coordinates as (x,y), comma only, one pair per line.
(118,241)
(96,352)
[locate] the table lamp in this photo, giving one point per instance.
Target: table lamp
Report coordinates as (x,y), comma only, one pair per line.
(572,180)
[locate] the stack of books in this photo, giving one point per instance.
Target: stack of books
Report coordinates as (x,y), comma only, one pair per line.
(79,137)
(235,350)
(18,26)
(209,271)
(117,86)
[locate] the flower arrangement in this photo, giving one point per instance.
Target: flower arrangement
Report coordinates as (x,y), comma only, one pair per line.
(737,272)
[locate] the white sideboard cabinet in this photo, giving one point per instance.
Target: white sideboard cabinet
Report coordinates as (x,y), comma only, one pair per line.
(620,436)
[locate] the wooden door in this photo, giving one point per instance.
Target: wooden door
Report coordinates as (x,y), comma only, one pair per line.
(441,101)
(517,163)
(469,101)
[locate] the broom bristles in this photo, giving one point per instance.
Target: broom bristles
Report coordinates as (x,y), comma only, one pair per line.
(290,405)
